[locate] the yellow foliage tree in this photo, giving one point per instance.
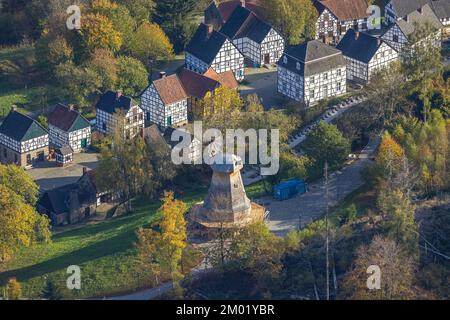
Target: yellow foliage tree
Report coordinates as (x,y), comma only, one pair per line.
(13,289)
(390,154)
(222,100)
(162,251)
(150,44)
(98,32)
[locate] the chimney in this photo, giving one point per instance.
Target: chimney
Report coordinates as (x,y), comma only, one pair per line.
(356,35)
(70,106)
(378,42)
(420,10)
(84,170)
(119,94)
(162,74)
(243,3)
(209,28)
(13,108)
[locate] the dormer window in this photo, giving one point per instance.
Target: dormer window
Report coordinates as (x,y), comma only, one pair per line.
(285,59)
(298,66)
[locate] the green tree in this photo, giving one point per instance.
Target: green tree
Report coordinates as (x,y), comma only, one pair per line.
(132,76)
(176,17)
(51,291)
(140,10)
(295,19)
(325,143)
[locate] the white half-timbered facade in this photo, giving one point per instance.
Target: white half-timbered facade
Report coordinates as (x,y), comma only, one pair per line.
(68,127)
(114,109)
(165,102)
(399,32)
(23,141)
(211,49)
(255,39)
(312,72)
(336,17)
(365,55)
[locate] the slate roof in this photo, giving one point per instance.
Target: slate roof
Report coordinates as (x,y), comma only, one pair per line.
(168,136)
(20,127)
(314,57)
(362,49)
(205,46)
(67,119)
(344,9)
(170,89)
(441,8)
(152,134)
(405,7)
(426,16)
(110,101)
(226,8)
(57,200)
(244,23)
(64,150)
(197,85)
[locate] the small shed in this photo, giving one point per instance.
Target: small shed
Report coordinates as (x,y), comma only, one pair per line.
(64,155)
(288,189)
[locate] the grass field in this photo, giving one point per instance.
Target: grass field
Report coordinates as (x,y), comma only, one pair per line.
(105,253)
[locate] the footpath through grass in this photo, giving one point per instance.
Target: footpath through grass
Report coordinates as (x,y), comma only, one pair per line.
(104,251)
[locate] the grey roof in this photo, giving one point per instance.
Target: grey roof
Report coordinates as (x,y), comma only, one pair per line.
(64,150)
(110,101)
(20,127)
(405,7)
(244,23)
(359,46)
(441,8)
(427,15)
(205,46)
(313,56)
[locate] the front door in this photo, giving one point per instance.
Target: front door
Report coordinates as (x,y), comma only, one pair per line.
(84,143)
(169,121)
(267,58)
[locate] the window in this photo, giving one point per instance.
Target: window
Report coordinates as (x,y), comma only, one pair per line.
(311,80)
(298,66)
(285,59)
(5,152)
(395,38)
(311,93)
(338,72)
(338,86)
(325,76)
(104,126)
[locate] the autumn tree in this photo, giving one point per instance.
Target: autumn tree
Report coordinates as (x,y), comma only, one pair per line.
(122,164)
(149,44)
(98,32)
(104,64)
(222,100)
(295,19)
(140,10)
(162,251)
(13,289)
(397,272)
(20,224)
(390,155)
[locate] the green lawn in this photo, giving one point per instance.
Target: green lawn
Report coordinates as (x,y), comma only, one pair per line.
(105,253)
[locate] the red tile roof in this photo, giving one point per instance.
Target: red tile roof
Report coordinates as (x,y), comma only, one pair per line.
(197,85)
(226,8)
(345,9)
(226,78)
(170,89)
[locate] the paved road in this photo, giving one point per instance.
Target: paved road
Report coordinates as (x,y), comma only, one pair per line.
(284,215)
(263,82)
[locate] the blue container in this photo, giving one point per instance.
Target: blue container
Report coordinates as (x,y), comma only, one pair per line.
(289,189)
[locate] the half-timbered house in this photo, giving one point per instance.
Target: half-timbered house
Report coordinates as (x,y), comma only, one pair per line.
(116,110)
(365,54)
(165,102)
(399,32)
(311,72)
(256,40)
(398,9)
(197,86)
(218,12)
(338,16)
(68,127)
(23,141)
(211,49)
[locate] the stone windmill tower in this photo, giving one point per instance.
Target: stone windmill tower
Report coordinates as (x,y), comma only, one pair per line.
(227,205)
